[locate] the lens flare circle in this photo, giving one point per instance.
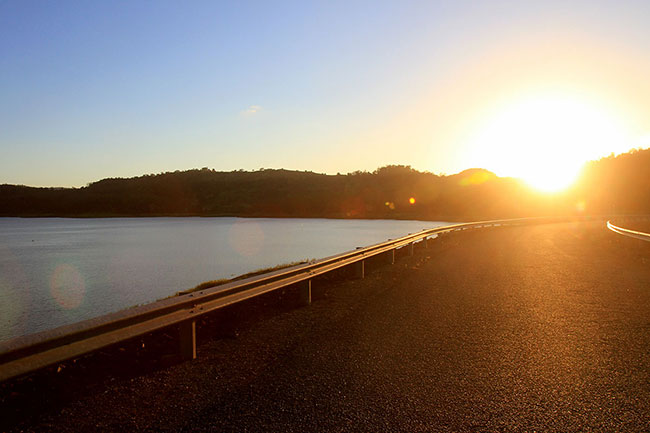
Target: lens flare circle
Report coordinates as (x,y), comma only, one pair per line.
(246,238)
(11,306)
(67,286)
(15,294)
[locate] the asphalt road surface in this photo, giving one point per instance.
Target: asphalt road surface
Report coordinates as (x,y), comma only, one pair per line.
(541,328)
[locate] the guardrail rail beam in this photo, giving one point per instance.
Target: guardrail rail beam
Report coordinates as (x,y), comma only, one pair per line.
(627,232)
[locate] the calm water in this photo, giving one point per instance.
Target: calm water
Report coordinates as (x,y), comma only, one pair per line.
(56,271)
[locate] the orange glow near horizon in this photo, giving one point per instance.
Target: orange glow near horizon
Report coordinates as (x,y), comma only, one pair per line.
(544,140)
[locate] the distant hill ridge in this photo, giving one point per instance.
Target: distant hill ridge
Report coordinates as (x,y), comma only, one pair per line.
(620,184)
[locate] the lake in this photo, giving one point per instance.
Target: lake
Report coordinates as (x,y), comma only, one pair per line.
(57,271)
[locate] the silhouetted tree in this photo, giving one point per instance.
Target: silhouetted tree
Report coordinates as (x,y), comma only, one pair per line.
(616,184)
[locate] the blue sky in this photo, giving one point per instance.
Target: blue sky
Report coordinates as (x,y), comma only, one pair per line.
(115,89)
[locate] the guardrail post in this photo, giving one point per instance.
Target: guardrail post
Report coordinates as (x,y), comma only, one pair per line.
(425,242)
(187,331)
(305,292)
(411,248)
(391,256)
(360,269)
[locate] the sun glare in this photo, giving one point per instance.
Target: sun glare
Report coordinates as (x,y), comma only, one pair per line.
(545,140)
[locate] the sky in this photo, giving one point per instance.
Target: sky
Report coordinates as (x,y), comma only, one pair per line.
(90,90)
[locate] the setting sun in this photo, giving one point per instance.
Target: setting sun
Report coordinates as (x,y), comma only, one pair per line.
(545,140)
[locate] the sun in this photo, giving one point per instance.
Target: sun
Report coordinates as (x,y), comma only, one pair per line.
(545,140)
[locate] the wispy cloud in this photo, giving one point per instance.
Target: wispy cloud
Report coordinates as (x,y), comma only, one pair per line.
(253,109)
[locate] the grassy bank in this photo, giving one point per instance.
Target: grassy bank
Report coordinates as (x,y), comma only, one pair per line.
(214,283)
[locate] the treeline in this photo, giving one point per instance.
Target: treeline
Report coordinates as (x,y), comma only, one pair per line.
(614,184)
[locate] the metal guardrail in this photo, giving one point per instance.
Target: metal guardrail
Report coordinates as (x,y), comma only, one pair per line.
(26,354)
(628,232)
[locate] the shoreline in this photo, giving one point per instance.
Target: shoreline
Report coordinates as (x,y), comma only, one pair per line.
(111,216)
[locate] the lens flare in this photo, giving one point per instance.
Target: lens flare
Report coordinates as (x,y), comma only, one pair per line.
(14,294)
(11,306)
(476,177)
(67,286)
(246,238)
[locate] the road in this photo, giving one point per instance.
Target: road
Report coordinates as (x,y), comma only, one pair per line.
(541,328)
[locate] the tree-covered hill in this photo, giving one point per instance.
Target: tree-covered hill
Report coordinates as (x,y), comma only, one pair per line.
(614,184)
